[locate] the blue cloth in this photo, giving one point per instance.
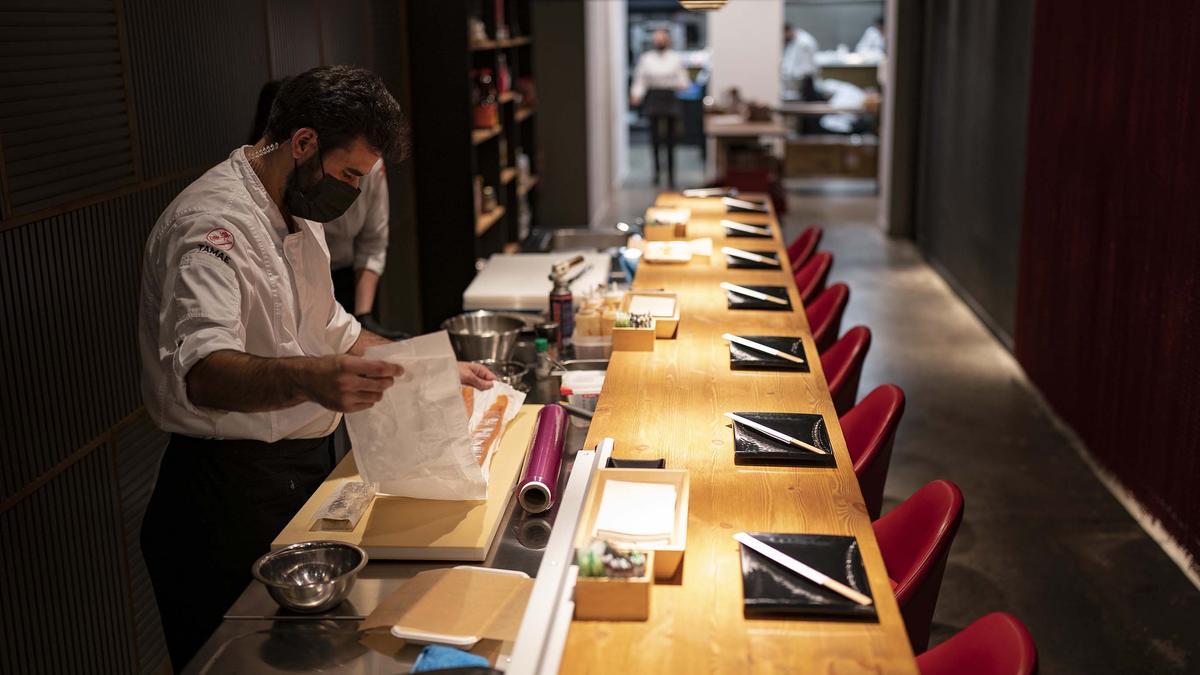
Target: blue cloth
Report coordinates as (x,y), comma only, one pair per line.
(438,657)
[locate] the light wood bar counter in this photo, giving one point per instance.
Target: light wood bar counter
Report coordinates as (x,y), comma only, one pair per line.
(670,403)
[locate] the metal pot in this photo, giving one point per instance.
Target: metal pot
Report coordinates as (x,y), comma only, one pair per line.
(479,336)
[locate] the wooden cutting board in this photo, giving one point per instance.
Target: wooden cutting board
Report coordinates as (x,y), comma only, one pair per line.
(401,528)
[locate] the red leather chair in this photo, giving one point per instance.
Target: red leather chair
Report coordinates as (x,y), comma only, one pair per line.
(810,278)
(997,644)
(870,431)
(803,246)
(915,539)
(843,364)
(825,315)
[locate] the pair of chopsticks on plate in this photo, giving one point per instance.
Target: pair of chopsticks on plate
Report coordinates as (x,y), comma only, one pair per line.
(747,255)
(777,435)
(800,568)
(746,227)
(761,347)
(751,293)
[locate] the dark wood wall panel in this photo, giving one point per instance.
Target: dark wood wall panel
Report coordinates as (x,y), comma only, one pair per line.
(65,608)
(1109,300)
(295,36)
(69,299)
(64,110)
(346,32)
(195,80)
(971,147)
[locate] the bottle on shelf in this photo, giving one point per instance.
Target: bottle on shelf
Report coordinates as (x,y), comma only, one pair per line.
(486,112)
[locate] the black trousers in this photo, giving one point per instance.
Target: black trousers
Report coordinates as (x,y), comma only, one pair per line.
(660,137)
(344,287)
(216,508)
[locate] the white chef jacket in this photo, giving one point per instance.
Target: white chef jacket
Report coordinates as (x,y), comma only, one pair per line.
(359,238)
(871,42)
(221,271)
(658,70)
(799,60)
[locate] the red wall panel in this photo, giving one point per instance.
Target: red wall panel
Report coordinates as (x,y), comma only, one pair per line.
(1108,309)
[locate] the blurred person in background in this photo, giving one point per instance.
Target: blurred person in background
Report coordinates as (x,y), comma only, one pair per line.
(872,40)
(799,67)
(656,79)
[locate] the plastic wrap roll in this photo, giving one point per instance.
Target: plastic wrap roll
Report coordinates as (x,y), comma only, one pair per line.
(535,492)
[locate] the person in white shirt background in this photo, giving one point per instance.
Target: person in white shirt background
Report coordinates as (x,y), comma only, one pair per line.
(357,240)
(872,40)
(798,68)
(248,362)
(656,79)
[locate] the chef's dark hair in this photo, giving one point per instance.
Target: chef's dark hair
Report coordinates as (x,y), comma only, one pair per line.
(341,103)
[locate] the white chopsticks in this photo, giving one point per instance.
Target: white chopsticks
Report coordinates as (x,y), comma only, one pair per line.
(708,192)
(744,204)
(777,435)
(762,348)
(745,227)
(747,255)
(751,293)
(800,568)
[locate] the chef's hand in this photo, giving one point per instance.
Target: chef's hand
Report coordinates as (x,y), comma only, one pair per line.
(347,383)
(475,375)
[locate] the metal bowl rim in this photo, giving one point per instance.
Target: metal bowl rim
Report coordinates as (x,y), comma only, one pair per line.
(256,569)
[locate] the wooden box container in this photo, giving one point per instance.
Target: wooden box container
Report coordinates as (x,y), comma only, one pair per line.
(633,339)
(664,326)
(605,599)
(666,224)
(668,557)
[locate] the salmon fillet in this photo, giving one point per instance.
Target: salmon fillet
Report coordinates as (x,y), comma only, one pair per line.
(489,428)
(468,394)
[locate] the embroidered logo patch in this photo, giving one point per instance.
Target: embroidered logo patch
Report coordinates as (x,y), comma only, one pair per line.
(220,237)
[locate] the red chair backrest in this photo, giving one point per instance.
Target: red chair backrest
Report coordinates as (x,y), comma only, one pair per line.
(825,315)
(803,246)
(997,644)
(843,364)
(870,431)
(810,278)
(915,539)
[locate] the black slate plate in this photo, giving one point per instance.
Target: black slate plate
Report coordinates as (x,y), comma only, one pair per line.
(733,262)
(771,590)
(746,358)
(739,301)
(751,446)
(730,232)
(740,205)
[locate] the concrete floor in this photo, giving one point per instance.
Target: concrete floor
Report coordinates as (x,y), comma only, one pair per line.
(1042,538)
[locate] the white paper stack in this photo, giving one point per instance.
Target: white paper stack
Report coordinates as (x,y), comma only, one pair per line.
(637,513)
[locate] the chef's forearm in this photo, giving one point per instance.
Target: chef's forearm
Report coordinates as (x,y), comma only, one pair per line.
(366,282)
(240,382)
(366,339)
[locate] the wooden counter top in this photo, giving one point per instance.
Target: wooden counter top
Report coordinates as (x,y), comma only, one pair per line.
(669,403)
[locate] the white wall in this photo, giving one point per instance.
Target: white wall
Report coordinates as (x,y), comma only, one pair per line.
(746,41)
(606,129)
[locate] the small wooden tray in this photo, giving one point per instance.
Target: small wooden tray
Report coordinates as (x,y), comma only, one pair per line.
(664,326)
(667,558)
(605,599)
(633,339)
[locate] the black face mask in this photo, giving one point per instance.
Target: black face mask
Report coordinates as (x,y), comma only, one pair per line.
(326,200)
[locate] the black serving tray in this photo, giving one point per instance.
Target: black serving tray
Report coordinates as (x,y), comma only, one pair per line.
(751,446)
(745,358)
(771,590)
(735,263)
(739,301)
(614,463)
(730,232)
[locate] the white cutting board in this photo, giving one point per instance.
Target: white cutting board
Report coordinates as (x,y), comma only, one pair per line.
(521,281)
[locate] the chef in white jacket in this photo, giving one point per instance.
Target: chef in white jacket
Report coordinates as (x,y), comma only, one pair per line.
(248,363)
(659,75)
(358,243)
(798,68)
(872,40)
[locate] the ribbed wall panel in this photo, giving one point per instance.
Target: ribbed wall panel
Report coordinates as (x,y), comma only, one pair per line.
(65,608)
(69,315)
(295,41)
(138,450)
(195,79)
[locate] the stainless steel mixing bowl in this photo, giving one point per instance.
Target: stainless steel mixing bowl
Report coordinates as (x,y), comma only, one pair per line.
(312,576)
(483,336)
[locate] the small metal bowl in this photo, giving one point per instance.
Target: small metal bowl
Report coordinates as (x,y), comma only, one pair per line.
(312,576)
(511,373)
(483,335)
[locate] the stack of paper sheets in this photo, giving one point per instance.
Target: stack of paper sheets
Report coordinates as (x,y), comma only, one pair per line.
(637,513)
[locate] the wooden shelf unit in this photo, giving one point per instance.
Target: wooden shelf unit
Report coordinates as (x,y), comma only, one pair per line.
(449,154)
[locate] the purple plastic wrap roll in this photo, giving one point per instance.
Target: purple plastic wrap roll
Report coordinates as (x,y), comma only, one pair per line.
(535,492)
